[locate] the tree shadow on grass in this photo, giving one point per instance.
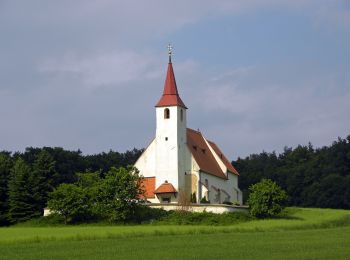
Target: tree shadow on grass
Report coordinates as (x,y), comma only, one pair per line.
(288,213)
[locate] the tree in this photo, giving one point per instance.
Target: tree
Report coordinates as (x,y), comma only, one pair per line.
(104,161)
(43,176)
(113,198)
(119,193)
(311,177)
(5,169)
(70,201)
(266,199)
(21,200)
(333,191)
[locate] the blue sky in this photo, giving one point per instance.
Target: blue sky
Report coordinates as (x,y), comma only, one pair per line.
(255,75)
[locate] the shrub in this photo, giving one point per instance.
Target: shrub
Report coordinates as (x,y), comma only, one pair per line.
(146,214)
(266,199)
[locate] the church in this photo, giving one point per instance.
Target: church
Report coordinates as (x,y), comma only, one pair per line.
(180,162)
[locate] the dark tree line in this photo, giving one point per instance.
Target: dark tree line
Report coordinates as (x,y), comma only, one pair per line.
(312,177)
(27,178)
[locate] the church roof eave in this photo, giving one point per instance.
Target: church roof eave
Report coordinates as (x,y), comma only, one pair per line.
(170,100)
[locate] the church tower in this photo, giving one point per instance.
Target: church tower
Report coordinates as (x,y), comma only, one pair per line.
(180,163)
(170,138)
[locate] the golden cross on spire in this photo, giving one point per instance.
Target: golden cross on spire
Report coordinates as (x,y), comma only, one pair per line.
(170,51)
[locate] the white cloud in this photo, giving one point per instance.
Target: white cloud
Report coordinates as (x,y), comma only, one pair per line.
(104,68)
(113,68)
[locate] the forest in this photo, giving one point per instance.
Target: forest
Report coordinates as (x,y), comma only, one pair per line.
(312,177)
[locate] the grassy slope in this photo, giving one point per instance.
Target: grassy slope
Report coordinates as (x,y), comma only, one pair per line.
(304,235)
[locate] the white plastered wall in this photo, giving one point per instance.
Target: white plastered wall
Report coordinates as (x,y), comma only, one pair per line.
(146,164)
(229,190)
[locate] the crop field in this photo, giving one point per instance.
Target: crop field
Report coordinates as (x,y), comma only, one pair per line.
(303,234)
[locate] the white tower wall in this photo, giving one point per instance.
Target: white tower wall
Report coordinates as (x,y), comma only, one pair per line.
(170,144)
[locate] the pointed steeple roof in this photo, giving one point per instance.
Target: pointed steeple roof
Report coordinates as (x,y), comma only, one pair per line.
(170,95)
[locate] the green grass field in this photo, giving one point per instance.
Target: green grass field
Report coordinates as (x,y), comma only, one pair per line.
(305,234)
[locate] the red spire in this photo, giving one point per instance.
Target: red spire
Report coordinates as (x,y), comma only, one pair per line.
(170,95)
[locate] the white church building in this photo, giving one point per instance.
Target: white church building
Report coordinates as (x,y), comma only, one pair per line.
(180,161)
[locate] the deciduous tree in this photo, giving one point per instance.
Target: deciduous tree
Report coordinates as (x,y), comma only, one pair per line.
(266,199)
(70,201)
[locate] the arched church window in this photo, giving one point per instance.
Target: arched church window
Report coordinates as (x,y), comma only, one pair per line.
(181,115)
(166,113)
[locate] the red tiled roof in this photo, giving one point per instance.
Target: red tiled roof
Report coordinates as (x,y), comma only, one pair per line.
(170,95)
(148,184)
(202,154)
(165,188)
(223,158)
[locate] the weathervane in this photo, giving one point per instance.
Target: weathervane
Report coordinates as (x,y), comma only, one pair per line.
(170,51)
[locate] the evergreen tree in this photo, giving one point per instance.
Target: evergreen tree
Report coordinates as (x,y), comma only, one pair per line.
(21,200)
(5,169)
(42,178)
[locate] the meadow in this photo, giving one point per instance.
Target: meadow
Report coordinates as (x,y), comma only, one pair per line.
(303,233)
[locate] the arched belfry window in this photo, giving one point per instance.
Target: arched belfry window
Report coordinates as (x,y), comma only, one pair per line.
(166,113)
